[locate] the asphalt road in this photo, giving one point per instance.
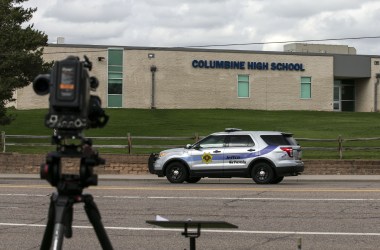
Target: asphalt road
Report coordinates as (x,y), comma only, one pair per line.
(321,214)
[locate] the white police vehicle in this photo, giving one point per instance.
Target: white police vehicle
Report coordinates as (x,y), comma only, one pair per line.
(264,156)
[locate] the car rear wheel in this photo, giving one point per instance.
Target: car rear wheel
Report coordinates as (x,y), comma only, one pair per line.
(193,179)
(176,173)
(262,173)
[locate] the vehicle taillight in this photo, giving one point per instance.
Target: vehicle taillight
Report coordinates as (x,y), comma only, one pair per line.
(288,150)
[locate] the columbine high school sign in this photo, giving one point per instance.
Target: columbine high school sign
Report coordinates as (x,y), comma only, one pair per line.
(219,64)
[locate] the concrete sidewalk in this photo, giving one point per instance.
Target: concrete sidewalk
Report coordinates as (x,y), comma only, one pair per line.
(154,177)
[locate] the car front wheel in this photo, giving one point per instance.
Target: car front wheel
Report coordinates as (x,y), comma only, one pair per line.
(176,173)
(193,179)
(262,173)
(277,180)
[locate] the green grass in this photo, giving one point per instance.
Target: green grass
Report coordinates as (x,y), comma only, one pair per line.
(142,122)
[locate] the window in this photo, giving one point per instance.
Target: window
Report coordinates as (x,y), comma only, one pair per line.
(243,86)
(305,88)
(240,141)
(114,101)
(114,88)
(115,78)
(115,57)
(212,141)
(276,140)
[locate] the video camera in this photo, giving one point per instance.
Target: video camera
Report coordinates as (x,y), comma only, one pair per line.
(71,107)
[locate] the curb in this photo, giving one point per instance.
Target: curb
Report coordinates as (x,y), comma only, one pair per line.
(154,177)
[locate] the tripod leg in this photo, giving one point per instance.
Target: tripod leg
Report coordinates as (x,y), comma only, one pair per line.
(58,236)
(192,243)
(68,222)
(46,240)
(93,215)
(62,205)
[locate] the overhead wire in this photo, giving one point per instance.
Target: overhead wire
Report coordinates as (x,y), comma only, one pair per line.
(282,42)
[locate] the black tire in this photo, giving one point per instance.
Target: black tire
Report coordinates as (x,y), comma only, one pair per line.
(193,179)
(262,173)
(176,173)
(277,180)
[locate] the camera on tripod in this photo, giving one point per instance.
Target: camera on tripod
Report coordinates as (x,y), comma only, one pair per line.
(71,108)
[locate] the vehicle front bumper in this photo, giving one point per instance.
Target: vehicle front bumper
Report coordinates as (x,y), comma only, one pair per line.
(152,159)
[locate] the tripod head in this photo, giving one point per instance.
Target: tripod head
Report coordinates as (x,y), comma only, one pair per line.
(71,184)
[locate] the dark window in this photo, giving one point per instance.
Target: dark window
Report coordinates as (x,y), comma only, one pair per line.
(240,141)
(212,141)
(275,140)
(115,88)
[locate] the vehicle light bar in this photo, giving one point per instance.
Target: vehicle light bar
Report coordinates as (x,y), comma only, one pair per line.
(231,129)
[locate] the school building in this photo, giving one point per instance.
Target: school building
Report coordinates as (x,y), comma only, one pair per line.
(302,77)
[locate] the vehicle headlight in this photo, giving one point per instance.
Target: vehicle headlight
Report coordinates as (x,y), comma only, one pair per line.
(162,154)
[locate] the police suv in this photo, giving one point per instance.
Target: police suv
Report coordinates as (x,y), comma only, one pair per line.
(264,156)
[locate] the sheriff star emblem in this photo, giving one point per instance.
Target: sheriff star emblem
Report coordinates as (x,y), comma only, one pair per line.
(206,158)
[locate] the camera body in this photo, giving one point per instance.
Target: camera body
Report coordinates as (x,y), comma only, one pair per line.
(71,106)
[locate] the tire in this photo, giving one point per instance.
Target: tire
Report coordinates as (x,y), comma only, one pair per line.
(176,173)
(262,173)
(193,179)
(277,180)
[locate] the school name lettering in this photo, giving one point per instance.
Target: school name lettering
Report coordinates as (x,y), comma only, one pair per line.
(219,64)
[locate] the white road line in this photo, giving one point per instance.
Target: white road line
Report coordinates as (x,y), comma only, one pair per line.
(28,195)
(210,198)
(206,230)
(261,198)
(120,197)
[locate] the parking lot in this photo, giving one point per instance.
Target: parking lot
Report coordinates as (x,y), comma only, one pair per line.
(321,213)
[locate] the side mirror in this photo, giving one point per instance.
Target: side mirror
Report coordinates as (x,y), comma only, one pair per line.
(188,146)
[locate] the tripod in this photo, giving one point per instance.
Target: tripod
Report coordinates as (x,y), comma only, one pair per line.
(70,191)
(60,220)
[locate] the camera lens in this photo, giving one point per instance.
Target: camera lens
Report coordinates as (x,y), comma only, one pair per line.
(41,84)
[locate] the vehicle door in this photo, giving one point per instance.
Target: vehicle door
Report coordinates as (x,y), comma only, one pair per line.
(207,155)
(238,153)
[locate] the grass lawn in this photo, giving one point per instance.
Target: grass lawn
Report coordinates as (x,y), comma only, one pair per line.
(142,122)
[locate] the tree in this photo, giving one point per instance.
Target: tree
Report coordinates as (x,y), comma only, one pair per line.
(21,50)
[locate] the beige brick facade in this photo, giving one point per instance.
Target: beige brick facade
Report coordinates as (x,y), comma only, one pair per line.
(180,85)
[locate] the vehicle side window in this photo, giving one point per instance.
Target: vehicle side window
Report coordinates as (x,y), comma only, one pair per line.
(276,140)
(212,141)
(240,141)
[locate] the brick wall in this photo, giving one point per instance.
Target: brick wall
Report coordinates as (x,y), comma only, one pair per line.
(342,167)
(13,163)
